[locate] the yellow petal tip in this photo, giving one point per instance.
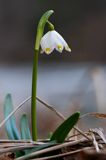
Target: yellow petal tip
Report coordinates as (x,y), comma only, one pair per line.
(47,50)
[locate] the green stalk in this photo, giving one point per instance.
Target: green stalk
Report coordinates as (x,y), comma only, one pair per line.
(39,35)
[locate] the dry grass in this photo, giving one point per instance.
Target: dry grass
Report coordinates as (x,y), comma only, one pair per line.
(89,145)
(67,150)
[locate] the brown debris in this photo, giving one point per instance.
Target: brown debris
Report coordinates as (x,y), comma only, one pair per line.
(7,156)
(92,156)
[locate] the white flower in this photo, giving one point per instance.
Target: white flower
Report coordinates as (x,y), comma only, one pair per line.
(53,40)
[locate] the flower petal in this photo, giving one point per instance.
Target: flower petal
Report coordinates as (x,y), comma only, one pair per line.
(48,50)
(47,43)
(67,48)
(59,48)
(53,40)
(57,43)
(62,41)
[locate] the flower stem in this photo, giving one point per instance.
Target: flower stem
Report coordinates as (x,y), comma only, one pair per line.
(33,99)
(50,25)
(39,35)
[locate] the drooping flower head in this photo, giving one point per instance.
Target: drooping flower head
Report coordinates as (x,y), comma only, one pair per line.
(53,40)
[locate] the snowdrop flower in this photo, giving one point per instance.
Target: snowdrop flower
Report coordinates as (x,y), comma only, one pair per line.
(53,40)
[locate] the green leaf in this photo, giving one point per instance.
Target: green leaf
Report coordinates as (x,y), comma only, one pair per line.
(50,135)
(11,128)
(24,127)
(62,131)
(25,131)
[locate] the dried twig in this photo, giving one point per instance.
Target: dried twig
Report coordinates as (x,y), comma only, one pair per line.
(64,154)
(61,116)
(48,106)
(51,108)
(66,144)
(100,133)
(16,148)
(17,108)
(21,104)
(94,141)
(15,141)
(8,143)
(22,145)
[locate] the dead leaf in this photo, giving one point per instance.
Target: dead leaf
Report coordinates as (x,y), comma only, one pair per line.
(98,115)
(95,114)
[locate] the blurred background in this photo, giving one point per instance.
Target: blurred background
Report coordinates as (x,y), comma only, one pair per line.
(69,82)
